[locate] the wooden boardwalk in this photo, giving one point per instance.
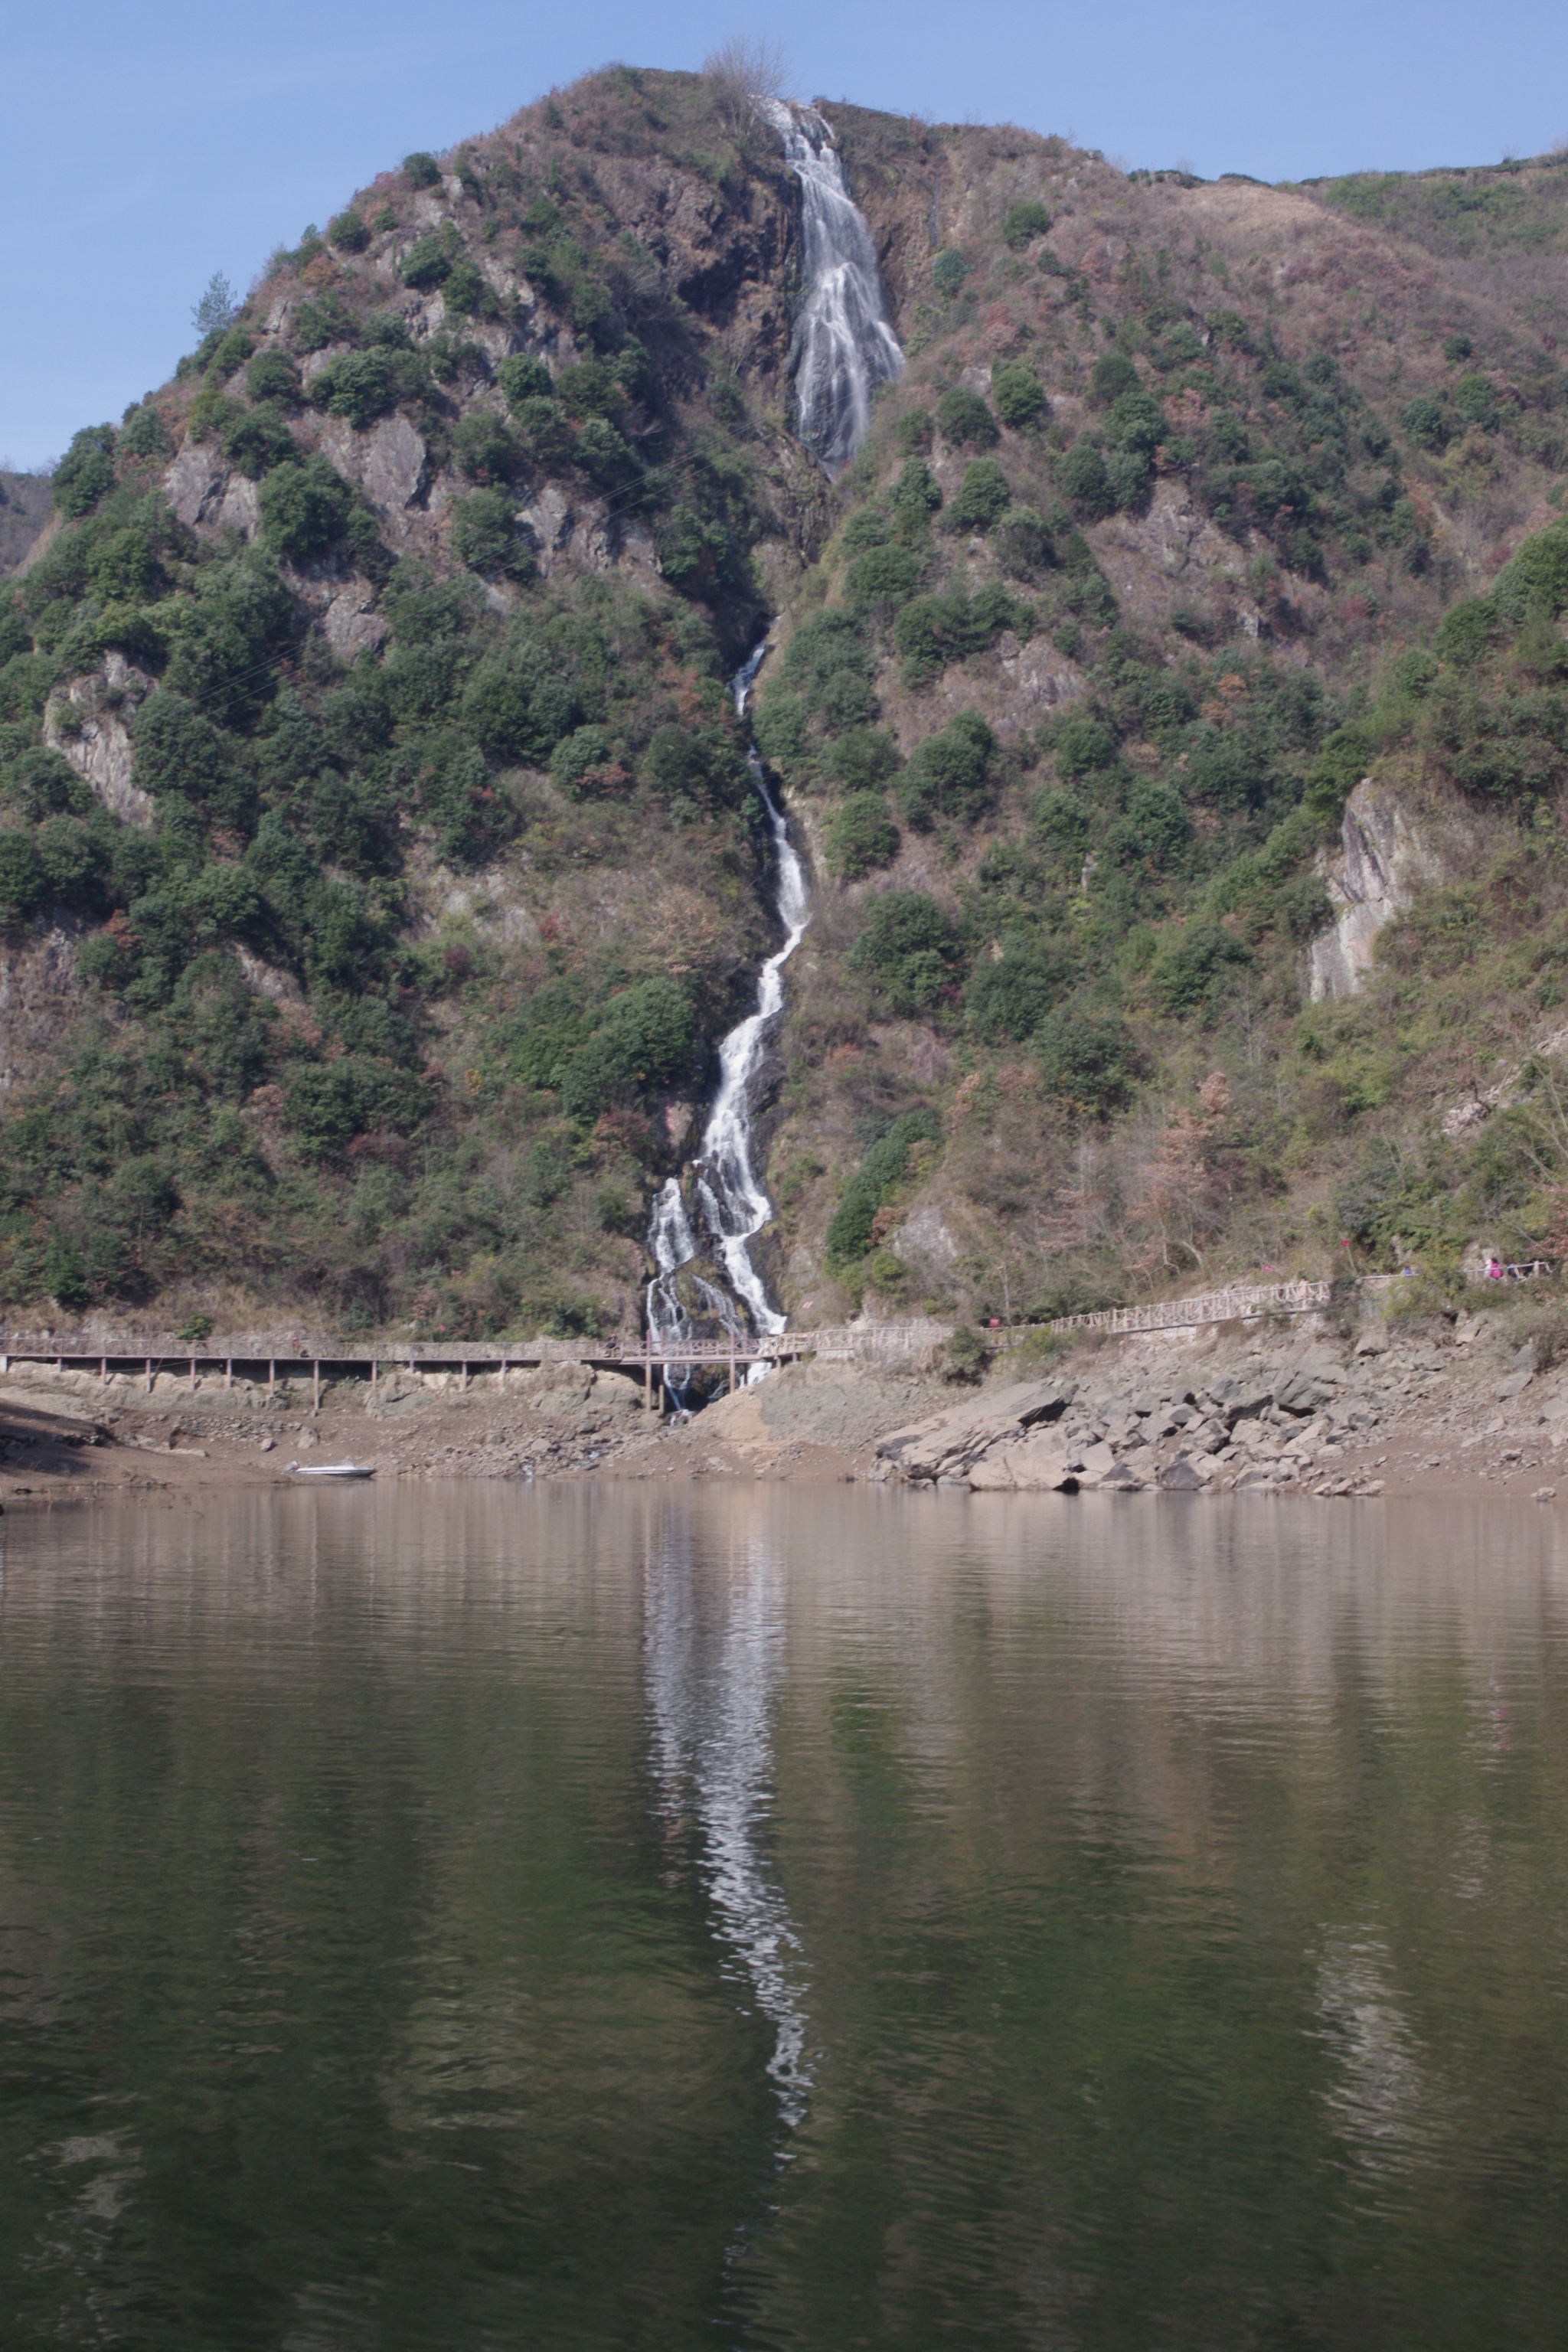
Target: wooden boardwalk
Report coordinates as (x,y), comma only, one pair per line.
(273,1358)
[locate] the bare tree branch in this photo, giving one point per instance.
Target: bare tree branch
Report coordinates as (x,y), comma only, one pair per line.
(746,72)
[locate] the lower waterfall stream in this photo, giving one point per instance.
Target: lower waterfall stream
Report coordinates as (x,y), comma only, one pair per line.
(733,1205)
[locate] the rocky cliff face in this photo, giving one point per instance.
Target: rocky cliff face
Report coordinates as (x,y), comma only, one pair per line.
(1386,851)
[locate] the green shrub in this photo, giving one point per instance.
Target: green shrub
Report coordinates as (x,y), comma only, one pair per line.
(232,352)
(1425,422)
(304,507)
(643,1045)
(1083,746)
(602,454)
(860,836)
(465,292)
(255,440)
(1157,825)
(917,487)
(1468,630)
(950,774)
(584,763)
(485,535)
(1187,972)
(1534,584)
(1458,347)
(85,472)
(358,385)
(884,1164)
(273,376)
(949,270)
(145,434)
(1129,477)
(1007,998)
(125,565)
(1023,543)
(966,1354)
(1062,819)
(913,432)
(347,231)
(483,447)
(522,377)
(1022,222)
(420,169)
(1475,401)
(963,420)
(1114,373)
(1334,774)
(23,883)
(884,575)
(908,947)
(44,783)
(932,631)
(1136,420)
(1082,478)
(982,497)
(327,1107)
(1085,1062)
(1020,395)
(544,433)
(863,758)
(693,768)
(182,757)
(429,262)
(321,322)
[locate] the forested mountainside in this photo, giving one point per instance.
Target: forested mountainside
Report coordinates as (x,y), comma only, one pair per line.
(378,858)
(24,509)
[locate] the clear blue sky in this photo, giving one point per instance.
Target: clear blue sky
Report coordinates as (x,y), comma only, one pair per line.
(145,147)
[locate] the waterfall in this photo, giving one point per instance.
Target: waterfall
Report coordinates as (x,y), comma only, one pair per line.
(842,350)
(843,347)
(734,1205)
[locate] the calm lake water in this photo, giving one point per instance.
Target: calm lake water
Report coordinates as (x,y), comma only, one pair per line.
(476,1917)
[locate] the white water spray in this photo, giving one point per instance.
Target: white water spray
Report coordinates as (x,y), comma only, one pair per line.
(843,347)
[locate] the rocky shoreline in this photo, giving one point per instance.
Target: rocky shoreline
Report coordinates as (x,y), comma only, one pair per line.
(1295,1407)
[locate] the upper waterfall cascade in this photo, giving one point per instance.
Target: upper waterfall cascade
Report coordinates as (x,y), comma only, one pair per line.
(843,347)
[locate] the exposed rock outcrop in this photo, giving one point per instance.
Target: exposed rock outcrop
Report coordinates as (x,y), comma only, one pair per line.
(87,723)
(1386,854)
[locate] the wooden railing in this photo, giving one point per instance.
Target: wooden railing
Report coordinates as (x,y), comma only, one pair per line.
(1242,1298)
(149,1352)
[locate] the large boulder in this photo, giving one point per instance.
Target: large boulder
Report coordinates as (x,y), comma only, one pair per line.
(945,1445)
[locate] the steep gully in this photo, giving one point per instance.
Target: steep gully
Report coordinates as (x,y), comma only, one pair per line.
(843,348)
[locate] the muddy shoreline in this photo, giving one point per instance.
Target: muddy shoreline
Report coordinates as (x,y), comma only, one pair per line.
(1279,1409)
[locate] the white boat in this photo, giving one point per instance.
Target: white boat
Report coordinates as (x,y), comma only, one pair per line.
(331,1470)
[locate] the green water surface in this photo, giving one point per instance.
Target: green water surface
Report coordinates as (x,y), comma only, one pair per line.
(482,1917)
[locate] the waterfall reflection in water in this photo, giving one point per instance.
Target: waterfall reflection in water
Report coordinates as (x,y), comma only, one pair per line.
(711,1694)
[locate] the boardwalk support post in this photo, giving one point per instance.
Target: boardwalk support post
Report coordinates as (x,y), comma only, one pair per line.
(316,1386)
